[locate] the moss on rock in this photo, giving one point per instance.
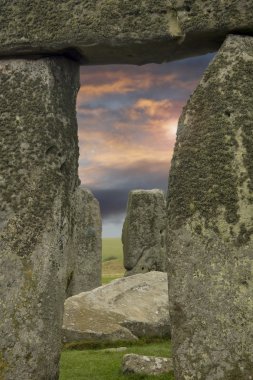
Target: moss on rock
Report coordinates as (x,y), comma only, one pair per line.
(210,222)
(38,166)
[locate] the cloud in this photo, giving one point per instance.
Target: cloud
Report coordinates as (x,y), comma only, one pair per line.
(102,82)
(123,85)
(140,131)
(129,141)
(112,191)
(127,117)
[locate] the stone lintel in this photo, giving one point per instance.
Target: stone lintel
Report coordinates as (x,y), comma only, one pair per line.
(117,31)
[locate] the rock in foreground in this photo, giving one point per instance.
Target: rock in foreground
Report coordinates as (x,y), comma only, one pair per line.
(125,309)
(146,365)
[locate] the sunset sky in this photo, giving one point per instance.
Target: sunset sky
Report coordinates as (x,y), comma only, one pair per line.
(127,117)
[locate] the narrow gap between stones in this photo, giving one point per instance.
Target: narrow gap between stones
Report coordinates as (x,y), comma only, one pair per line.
(127,118)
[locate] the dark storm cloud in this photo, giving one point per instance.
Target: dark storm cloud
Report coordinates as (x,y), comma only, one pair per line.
(143,175)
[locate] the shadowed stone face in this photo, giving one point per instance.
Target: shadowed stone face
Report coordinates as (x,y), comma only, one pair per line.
(38,159)
(143,234)
(120,31)
(87,249)
(210,216)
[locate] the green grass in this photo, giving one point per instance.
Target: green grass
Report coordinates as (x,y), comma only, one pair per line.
(102,365)
(112,256)
(106,279)
(112,247)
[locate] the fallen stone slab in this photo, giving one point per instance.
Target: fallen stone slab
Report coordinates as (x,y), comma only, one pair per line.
(86,261)
(143,234)
(125,309)
(146,365)
(129,31)
(210,222)
(87,323)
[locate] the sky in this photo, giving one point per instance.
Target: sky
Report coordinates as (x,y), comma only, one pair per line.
(127,120)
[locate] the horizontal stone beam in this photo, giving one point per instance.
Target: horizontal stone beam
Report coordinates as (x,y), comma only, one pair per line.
(120,31)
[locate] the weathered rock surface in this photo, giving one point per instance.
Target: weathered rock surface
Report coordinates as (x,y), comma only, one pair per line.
(210,215)
(87,244)
(125,309)
(143,234)
(146,365)
(38,176)
(117,31)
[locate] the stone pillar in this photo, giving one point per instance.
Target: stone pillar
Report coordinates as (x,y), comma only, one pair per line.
(87,248)
(210,214)
(38,175)
(143,234)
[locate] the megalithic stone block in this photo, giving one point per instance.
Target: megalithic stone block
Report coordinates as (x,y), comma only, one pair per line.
(87,244)
(143,234)
(38,176)
(120,31)
(210,223)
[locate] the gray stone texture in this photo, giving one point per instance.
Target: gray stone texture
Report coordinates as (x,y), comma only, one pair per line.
(146,365)
(126,309)
(143,234)
(38,176)
(205,24)
(120,31)
(210,217)
(86,273)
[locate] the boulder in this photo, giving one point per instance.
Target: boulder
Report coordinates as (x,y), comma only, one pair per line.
(146,365)
(210,222)
(143,234)
(125,309)
(117,31)
(86,262)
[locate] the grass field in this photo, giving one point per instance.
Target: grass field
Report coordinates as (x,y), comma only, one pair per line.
(104,365)
(112,256)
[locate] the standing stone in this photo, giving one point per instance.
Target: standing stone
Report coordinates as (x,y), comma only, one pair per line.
(87,255)
(210,215)
(143,234)
(38,176)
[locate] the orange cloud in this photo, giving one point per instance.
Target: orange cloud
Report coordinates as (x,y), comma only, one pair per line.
(146,131)
(121,82)
(152,109)
(120,85)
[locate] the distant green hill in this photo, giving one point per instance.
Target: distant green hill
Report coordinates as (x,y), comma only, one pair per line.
(112,256)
